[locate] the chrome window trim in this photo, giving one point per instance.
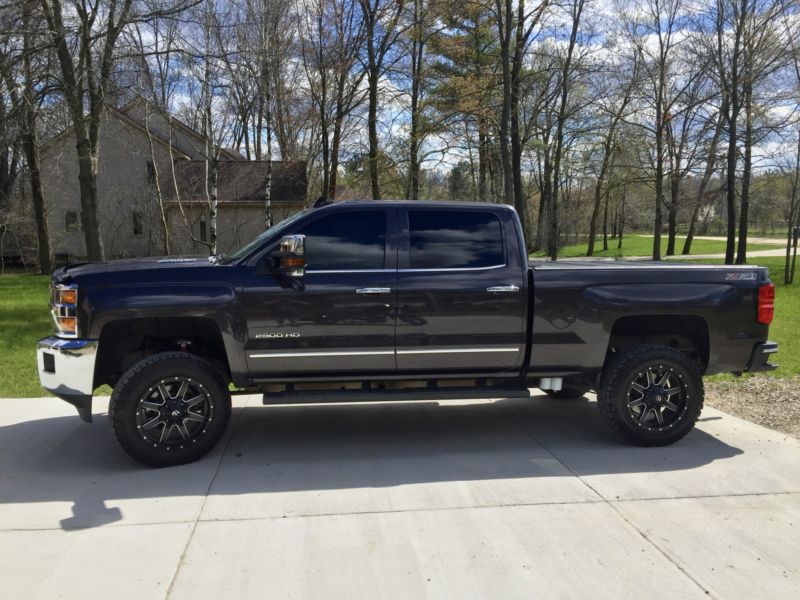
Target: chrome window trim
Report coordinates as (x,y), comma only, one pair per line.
(448,269)
(451,269)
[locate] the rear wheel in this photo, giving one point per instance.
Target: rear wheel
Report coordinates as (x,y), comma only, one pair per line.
(169,409)
(651,394)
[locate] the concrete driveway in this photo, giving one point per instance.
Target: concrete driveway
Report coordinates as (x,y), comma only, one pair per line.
(495,499)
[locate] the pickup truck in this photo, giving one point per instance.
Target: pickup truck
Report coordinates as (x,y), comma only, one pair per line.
(379,300)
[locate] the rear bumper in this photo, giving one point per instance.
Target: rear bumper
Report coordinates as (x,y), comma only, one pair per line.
(759,360)
(66,369)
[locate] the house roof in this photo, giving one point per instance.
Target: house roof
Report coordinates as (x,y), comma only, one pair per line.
(114,112)
(242,181)
(138,102)
(127,114)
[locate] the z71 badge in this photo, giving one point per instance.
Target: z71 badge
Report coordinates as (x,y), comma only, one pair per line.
(741,276)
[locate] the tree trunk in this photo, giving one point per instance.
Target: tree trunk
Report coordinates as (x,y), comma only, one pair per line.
(372,125)
(505,16)
(672,214)
(741,254)
(87,177)
(520,202)
(483,158)
(794,216)
(711,162)
(30,145)
(31,148)
(605,223)
(598,190)
(157,184)
(546,195)
(213,206)
(417,62)
(730,179)
(621,211)
(552,238)
(267,92)
(334,156)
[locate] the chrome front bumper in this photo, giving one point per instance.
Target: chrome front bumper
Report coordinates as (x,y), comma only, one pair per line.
(66,369)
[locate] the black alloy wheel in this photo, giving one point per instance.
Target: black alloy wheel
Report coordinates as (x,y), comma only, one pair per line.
(170,409)
(174,412)
(651,394)
(657,398)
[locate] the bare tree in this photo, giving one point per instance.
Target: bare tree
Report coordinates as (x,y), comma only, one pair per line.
(382,27)
(23,70)
(613,112)
(575,12)
(85,37)
(331,48)
(515,27)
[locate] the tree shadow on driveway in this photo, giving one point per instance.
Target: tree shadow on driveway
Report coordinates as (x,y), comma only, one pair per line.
(316,448)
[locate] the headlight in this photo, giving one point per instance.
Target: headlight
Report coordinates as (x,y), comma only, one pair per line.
(64,308)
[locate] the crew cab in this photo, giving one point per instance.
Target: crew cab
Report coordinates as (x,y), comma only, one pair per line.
(378,300)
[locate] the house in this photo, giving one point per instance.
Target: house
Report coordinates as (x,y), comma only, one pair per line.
(152,178)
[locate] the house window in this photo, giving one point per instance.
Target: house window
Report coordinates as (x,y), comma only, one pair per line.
(203,228)
(138,223)
(71,221)
(151,172)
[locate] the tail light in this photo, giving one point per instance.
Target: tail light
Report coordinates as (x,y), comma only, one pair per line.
(766,303)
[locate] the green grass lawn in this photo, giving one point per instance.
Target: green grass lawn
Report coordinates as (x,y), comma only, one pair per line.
(640,245)
(25,318)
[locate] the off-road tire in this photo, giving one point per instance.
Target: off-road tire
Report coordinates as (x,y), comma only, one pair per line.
(137,385)
(625,369)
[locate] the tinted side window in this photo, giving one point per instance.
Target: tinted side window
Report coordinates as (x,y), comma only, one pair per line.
(350,240)
(452,240)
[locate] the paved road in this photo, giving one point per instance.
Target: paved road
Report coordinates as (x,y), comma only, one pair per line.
(495,499)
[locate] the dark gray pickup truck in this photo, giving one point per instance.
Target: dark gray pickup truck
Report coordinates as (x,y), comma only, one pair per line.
(394,301)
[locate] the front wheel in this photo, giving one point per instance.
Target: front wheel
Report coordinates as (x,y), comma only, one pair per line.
(169,409)
(651,394)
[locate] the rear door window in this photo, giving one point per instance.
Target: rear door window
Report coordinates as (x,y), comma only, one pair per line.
(443,239)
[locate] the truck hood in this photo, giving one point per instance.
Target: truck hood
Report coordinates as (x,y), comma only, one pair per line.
(76,270)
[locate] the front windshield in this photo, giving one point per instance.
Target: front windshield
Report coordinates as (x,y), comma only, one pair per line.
(259,240)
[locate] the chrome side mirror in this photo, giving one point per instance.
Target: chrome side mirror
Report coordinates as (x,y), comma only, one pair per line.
(290,259)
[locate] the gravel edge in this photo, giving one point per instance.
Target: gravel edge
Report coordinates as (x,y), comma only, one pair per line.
(768,401)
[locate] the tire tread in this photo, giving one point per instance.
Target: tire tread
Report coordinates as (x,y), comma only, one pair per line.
(615,369)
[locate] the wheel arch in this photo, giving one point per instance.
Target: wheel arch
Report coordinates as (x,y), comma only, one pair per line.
(687,333)
(124,342)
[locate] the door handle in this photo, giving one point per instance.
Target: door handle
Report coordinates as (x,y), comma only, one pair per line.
(499,289)
(374,290)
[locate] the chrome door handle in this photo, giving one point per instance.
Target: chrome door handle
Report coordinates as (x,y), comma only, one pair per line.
(497,289)
(373,290)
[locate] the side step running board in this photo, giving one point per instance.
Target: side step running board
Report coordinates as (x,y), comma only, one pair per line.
(378,395)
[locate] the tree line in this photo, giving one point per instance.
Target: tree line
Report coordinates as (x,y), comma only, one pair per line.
(587,116)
